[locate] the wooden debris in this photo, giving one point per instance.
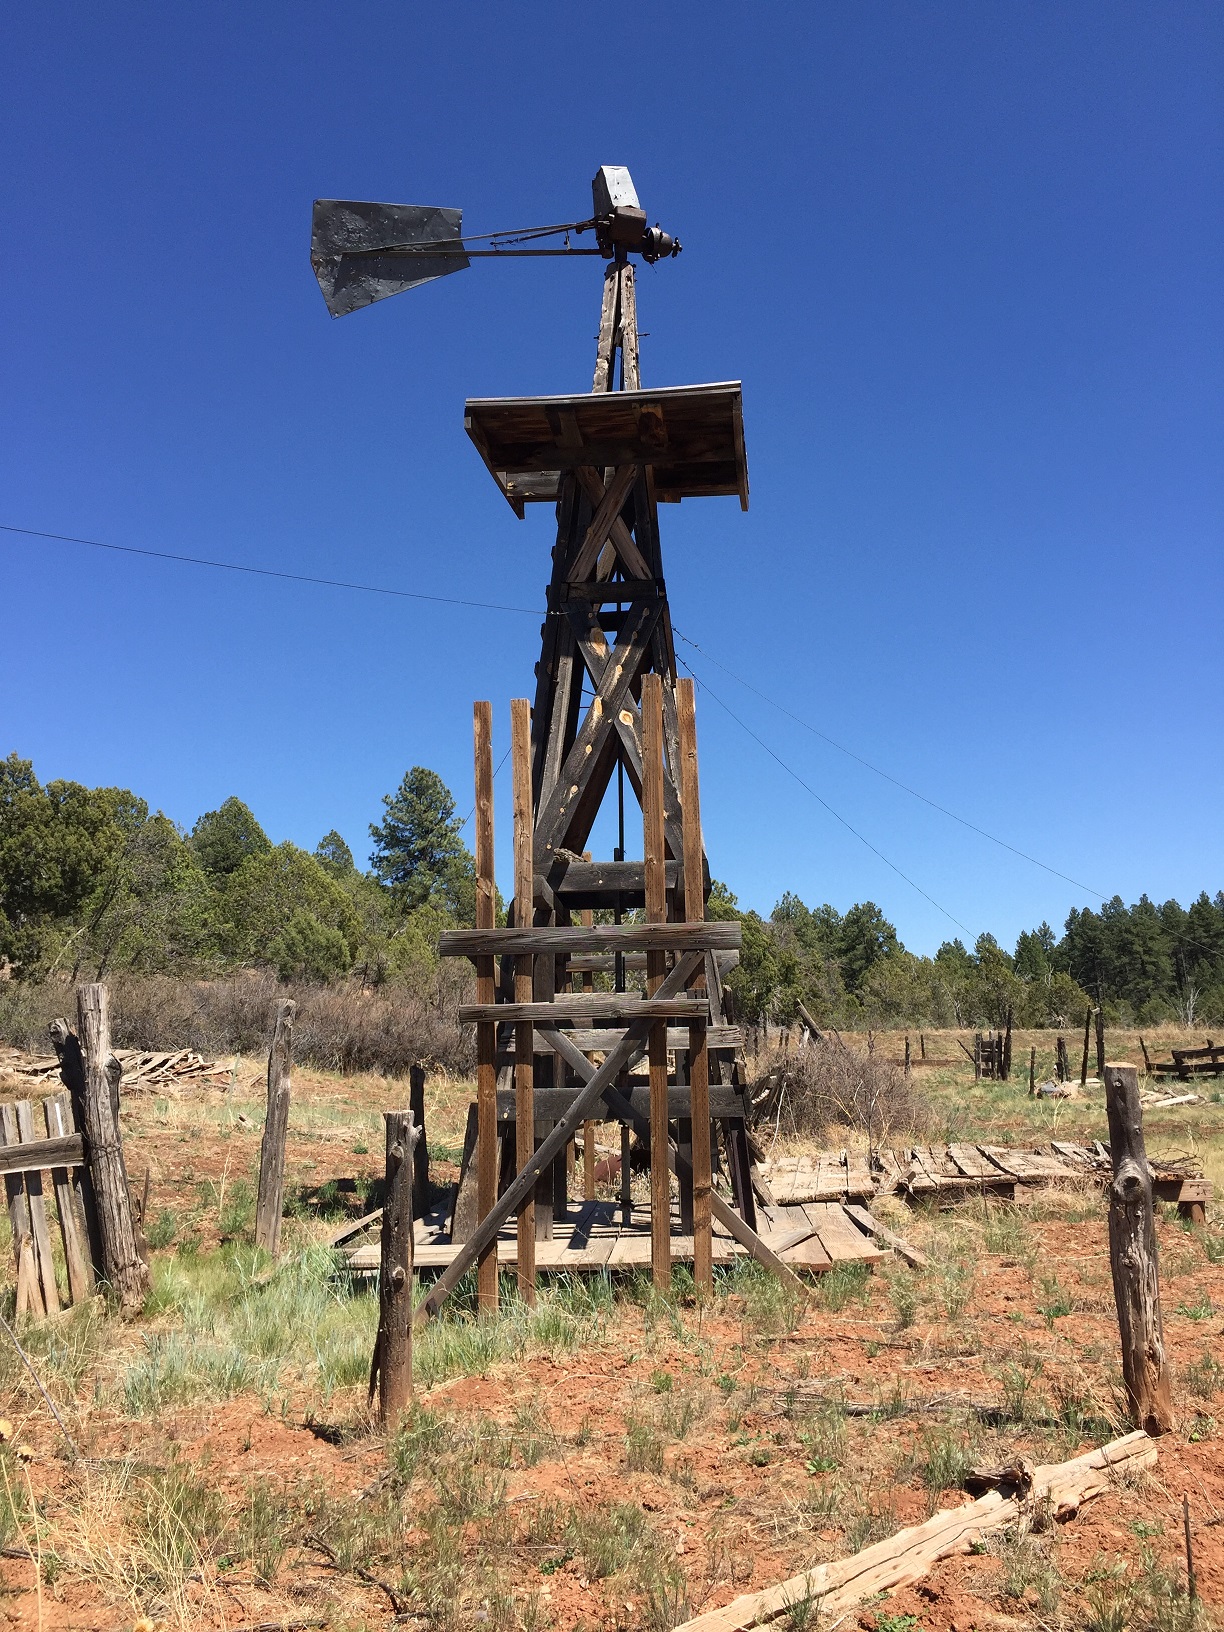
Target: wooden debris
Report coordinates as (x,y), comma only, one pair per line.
(1042,1494)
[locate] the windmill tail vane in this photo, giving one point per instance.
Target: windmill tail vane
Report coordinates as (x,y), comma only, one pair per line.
(362,252)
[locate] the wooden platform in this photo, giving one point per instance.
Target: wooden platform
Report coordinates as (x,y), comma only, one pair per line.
(593,1238)
(926,1170)
(691,436)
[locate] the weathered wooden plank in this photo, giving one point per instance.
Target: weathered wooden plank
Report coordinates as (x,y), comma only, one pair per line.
(57,1114)
(39,1229)
(902,1248)
(561,939)
(35,1155)
(29,1289)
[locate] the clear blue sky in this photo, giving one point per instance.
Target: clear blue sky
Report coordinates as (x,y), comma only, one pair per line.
(965,258)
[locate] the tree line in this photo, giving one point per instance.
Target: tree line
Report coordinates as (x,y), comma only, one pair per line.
(92,882)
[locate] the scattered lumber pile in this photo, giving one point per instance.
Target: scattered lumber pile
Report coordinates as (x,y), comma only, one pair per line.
(945,1170)
(1021,1495)
(141,1068)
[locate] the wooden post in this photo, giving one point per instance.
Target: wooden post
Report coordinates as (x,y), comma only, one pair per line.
(393,1349)
(656,966)
(977,1056)
(276,1124)
(1087,1035)
(1062,1065)
(922,1045)
(699,1058)
(123,1265)
(420,1146)
(1133,1257)
(524,1038)
(72,1074)
(486,1031)
(1033,1069)
(1100,1043)
(907,1054)
(1147,1058)
(1005,1063)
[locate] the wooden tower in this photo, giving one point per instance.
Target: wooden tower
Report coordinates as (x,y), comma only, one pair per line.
(608,708)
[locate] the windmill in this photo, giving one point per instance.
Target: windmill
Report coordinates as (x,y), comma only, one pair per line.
(605,459)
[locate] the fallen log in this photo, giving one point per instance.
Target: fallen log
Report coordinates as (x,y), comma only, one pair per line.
(1046,1493)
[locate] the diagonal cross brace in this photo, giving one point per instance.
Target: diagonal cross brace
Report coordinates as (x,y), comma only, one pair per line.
(552,1145)
(622,668)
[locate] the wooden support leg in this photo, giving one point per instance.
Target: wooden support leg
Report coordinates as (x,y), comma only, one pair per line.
(656,912)
(529,1219)
(486,1031)
(626,1184)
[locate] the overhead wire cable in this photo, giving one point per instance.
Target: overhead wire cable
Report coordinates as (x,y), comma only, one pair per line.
(790,771)
(272,572)
(896,782)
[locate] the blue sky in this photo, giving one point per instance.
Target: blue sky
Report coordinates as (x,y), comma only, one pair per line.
(965,258)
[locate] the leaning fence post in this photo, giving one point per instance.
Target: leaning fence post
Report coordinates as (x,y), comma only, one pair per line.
(276,1126)
(1100,1043)
(122,1262)
(393,1349)
(1133,1258)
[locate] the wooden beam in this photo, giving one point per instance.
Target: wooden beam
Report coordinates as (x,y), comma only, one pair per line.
(581,1006)
(524,1060)
(57,1114)
(572,938)
(486,1032)
(1132,1256)
(830,1592)
(585,1100)
(699,1060)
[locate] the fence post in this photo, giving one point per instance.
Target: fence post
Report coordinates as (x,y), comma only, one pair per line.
(1062,1066)
(1133,1258)
(393,1349)
(123,1261)
(420,1149)
(1100,1043)
(1033,1069)
(1087,1035)
(1005,1062)
(276,1126)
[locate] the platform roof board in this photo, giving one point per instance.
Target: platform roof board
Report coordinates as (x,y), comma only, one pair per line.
(691,436)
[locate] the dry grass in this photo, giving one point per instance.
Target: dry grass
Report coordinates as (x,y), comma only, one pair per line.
(339,1028)
(831,1084)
